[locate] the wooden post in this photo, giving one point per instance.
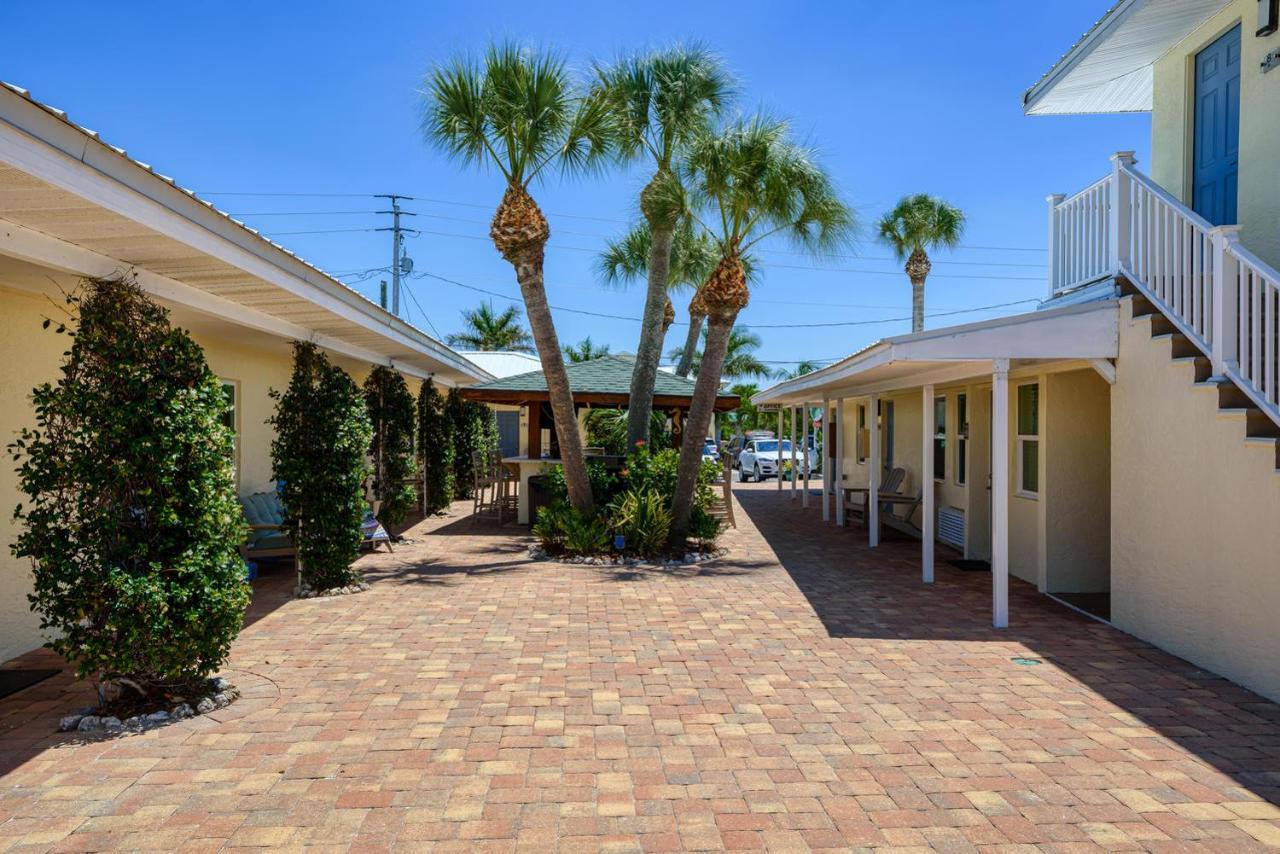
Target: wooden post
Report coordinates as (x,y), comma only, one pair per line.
(926,484)
(535,430)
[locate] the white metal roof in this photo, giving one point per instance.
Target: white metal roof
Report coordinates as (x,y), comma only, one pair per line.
(70,201)
(503,363)
(1109,70)
(1086,331)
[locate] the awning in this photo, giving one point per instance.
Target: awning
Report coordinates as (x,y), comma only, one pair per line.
(1110,69)
(1089,331)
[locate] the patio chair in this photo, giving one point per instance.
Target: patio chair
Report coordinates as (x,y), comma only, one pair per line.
(373,532)
(484,484)
(855,498)
(265,515)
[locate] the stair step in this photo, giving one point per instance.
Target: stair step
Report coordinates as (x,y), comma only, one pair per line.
(1180,345)
(1200,363)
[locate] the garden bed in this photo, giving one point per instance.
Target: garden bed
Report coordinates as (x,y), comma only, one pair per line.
(135,712)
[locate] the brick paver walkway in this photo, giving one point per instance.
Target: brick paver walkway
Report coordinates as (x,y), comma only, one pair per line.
(803,693)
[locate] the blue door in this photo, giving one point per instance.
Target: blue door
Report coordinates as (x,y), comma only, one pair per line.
(1216,165)
(508,432)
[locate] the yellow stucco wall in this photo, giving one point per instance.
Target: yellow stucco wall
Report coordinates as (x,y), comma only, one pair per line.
(30,355)
(1077,485)
(1171,125)
(1195,524)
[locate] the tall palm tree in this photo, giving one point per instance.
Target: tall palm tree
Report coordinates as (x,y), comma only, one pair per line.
(693,257)
(740,360)
(753,182)
(485,329)
(520,112)
(585,351)
(917,224)
(804,366)
(659,101)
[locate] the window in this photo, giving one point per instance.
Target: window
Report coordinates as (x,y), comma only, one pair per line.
(1029,439)
(864,438)
(962,438)
(230,418)
(939,438)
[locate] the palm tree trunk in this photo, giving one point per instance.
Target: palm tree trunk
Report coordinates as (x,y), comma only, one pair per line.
(652,332)
(690,345)
(917,305)
(699,421)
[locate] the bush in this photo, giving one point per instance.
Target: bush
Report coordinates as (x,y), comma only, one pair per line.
(475,428)
(657,471)
(435,444)
(318,460)
(643,517)
(548,527)
(132,522)
(704,529)
(604,483)
(391,413)
(560,528)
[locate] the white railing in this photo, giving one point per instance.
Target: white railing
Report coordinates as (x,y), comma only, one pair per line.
(1217,293)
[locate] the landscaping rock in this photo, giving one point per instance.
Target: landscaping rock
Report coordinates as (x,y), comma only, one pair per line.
(112,724)
(181,711)
(70,723)
(89,723)
(156,718)
(205,706)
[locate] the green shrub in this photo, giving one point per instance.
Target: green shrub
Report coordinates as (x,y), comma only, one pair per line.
(704,529)
(318,458)
(131,518)
(585,535)
(643,517)
(657,471)
(604,483)
(391,413)
(475,428)
(548,528)
(435,444)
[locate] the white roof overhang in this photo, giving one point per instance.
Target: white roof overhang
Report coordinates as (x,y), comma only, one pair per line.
(1110,69)
(70,202)
(1086,332)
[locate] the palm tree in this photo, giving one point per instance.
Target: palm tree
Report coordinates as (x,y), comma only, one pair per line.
(740,360)
(753,182)
(520,112)
(916,225)
(585,350)
(659,101)
(486,330)
(693,257)
(804,366)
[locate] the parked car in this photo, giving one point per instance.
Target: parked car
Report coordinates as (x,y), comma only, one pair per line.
(764,458)
(710,451)
(737,443)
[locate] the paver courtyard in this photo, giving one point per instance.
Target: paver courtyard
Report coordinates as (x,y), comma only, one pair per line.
(802,693)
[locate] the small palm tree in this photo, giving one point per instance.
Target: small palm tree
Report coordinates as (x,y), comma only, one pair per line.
(753,182)
(520,112)
(916,225)
(659,101)
(740,360)
(804,366)
(693,257)
(585,350)
(485,329)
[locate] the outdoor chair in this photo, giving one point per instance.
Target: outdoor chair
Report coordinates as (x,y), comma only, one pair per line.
(855,498)
(484,484)
(265,515)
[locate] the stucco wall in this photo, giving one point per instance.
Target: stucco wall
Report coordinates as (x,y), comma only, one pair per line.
(1077,488)
(1171,125)
(1195,523)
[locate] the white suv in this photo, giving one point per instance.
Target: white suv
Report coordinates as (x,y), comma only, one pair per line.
(759,458)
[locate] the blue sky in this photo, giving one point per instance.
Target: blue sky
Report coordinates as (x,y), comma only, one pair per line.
(322,97)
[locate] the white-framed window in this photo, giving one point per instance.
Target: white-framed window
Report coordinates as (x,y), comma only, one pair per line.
(231,417)
(863,437)
(1029,440)
(962,439)
(939,438)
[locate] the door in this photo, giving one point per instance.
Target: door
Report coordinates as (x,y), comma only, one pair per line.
(1216,138)
(509,432)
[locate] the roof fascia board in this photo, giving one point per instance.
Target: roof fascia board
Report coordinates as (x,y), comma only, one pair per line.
(1100,32)
(201,228)
(48,251)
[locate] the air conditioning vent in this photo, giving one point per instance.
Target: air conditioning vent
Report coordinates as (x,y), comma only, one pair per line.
(951,526)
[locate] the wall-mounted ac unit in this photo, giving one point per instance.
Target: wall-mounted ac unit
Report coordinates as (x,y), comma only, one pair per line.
(951,526)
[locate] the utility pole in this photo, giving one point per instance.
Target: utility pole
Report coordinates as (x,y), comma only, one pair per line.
(399,262)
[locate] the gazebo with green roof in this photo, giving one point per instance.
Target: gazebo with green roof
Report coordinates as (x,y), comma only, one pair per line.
(603,382)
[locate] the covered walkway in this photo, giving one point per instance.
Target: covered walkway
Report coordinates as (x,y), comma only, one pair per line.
(804,693)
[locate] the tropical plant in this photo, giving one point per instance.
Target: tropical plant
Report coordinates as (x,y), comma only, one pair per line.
(318,460)
(549,525)
(435,445)
(475,429)
(704,528)
(607,428)
(130,515)
(391,413)
(740,360)
(693,257)
(585,533)
(658,102)
(519,112)
(485,329)
(753,182)
(585,350)
(604,483)
(916,225)
(804,366)
(643,518)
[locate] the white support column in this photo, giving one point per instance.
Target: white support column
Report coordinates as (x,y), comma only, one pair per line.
(795,472)
(1056,260)
(926,484)
(1224,335)
(873,473)
(1000,494)
(779,466)
(804,437)
(1118,217)
(826,459)
(837,470)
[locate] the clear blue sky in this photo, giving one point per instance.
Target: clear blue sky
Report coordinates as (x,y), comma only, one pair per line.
(322,97)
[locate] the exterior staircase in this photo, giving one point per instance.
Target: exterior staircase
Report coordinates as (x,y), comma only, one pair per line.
(1216,303)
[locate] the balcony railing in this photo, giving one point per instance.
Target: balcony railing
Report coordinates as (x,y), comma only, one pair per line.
(1217,293)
